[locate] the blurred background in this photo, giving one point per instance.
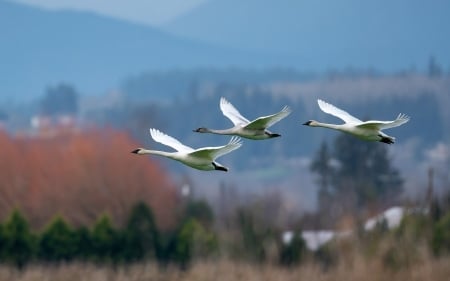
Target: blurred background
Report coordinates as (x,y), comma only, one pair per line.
(83,81)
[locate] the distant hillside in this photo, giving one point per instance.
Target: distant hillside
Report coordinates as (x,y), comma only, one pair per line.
(321,34)
(40,48)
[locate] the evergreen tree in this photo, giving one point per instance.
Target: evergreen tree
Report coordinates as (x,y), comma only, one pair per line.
(201,211)
(58,242)
(440,242)
(321,165)
(362,174)
(84,249)
(61,99)
(252,236)
(2,243)
(18,244)
(141,234)
(105,241)
(193,240)
(365,173)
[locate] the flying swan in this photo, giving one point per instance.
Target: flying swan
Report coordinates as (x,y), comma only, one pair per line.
(201,159)
(368,130)
(255,130)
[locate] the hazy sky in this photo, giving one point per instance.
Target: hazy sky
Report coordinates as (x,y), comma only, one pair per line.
(154,12)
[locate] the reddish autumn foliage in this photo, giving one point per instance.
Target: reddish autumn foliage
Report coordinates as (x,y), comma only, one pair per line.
(80,176)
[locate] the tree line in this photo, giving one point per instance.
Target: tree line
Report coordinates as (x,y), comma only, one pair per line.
(103,242)
(196,237)
(140,239)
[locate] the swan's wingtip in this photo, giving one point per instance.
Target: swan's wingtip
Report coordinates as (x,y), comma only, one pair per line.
(286,109)
(405,116)
(236,140)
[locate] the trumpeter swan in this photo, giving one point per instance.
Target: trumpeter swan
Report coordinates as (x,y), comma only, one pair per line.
(256,129)
(201,158)
(368,130)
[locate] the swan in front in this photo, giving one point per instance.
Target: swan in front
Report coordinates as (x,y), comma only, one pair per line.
(201,158)
(255,130)
(365,130)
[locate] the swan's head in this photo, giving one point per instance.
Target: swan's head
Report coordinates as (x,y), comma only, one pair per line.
(201,130)
(137,151)
(311,123)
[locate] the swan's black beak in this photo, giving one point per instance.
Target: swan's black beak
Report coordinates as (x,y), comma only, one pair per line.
(307,123)
(199,130)
(136,151)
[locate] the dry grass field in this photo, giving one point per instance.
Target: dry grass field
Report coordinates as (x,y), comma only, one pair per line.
(432,269)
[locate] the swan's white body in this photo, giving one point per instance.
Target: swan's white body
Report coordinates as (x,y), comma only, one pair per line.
(368,130)
(201,158)
(256,129)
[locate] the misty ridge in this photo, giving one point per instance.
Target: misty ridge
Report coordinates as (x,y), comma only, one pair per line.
(96,52)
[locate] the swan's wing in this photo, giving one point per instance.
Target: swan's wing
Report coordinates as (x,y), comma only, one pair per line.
(212,153)
(169,141)
(380,125)
(264,122)
(339,113)
(232,113)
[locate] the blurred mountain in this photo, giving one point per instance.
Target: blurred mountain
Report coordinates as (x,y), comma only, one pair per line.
(321,34)
(40,48)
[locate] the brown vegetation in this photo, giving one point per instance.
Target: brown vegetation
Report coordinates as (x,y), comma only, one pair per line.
(80,176)
(437,270)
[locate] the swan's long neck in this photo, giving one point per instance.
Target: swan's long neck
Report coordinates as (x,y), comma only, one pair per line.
(219,132)
(326,125)
(156,152)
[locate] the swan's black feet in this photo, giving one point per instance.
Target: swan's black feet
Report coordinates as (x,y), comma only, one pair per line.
(387,140)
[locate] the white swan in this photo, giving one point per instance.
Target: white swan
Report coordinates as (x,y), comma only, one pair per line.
(256,129)
(201,159)
(368,130)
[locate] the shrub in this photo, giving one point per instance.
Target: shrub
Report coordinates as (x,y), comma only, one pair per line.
(58,242)
(192,241)
(19,243)
(440,242)
(106,241)
(140,234)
